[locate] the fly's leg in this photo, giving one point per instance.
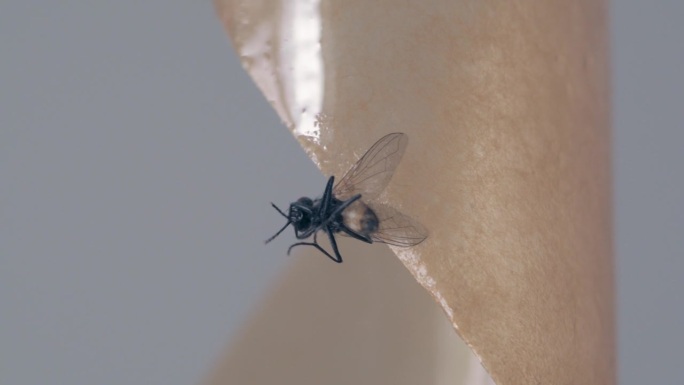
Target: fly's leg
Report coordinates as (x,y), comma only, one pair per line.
(280,211)
(333,242)
(339,209)
(322,250)
(326,199)
(307,233)
(284,227)
(354,234)
(344,205)
(316,245)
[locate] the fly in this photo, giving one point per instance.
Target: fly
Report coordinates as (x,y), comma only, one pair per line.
(348,207)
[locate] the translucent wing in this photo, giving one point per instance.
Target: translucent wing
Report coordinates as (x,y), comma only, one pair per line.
(371,174)
(396,228)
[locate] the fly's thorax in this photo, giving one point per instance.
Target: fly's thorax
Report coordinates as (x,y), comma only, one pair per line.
(360,218)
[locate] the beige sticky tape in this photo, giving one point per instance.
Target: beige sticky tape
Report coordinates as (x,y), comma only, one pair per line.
(506,105)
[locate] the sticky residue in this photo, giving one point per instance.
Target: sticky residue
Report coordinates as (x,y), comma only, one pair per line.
(280,46)
(301,65)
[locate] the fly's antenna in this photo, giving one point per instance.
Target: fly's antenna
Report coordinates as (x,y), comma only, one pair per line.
(284,227)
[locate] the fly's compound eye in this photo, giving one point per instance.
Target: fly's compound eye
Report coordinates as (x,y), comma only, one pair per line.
(305,201)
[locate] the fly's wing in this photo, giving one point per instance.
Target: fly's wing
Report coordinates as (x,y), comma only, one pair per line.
(371,174)
(396,228)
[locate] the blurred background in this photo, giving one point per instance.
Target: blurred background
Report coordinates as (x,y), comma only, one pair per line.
(137,161)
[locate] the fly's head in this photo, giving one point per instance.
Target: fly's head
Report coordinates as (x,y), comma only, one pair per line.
(301,214)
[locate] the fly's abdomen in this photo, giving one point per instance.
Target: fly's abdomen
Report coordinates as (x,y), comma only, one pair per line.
(360,218)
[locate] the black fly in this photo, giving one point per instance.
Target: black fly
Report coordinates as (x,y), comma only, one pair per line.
(348,207)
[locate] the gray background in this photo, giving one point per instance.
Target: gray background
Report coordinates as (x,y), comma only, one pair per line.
(137,161)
